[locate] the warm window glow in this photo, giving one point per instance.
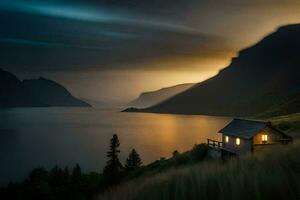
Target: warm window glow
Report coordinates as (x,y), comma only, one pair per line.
(264,138)
(226,139)
(238,141)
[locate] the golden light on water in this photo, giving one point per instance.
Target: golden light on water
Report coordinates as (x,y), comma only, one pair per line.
(161,134)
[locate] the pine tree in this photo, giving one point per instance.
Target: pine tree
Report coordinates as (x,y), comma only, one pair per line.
(76,174)
(56,175)
(133,161)
(112,170)
(76,171)
(66,176)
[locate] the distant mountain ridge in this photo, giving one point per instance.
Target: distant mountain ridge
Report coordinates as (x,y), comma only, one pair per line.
(151,98)
(34,93)
(263,80)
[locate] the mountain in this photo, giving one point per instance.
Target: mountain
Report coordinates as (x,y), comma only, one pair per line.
(10,89)
(34,93)
(263,80)
(151,98)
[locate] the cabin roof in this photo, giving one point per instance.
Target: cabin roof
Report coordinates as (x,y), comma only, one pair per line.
(244,128)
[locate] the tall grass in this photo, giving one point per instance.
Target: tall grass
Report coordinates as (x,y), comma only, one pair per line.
(274,175)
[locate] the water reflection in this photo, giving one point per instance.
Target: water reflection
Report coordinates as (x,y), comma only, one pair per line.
(64,136)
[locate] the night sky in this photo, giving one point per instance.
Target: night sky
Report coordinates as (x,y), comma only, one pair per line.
(115,49)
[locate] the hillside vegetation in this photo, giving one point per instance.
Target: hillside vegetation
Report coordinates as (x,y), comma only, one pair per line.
(274,175)
(72,183)
(288,123)
(197,154)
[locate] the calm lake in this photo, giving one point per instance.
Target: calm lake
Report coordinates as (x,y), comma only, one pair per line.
(33,137)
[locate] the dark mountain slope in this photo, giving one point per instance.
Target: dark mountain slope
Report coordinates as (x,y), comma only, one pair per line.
(151,98)
(45,92)
(34,93)
(10,89)
(262,78)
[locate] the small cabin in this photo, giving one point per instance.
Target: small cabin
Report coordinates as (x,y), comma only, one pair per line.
(242,136)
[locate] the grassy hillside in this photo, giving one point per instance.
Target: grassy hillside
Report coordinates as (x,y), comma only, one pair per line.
(197,154)
(274,175)
(71,183)
(288,123)
(291,105)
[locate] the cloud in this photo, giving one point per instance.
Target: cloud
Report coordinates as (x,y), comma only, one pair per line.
(103,34)
(118,48)
(57,41)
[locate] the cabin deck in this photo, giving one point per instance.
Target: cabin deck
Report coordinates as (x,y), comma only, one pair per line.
(214,144)
(217,150)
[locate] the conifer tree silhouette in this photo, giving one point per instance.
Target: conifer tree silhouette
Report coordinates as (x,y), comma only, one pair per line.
(133,161)
(113,168)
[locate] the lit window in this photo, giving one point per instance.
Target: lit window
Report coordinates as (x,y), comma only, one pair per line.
(264,138)
(226,139)
(238,141)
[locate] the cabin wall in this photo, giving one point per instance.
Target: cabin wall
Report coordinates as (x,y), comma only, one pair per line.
(245,146)
(273,136)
